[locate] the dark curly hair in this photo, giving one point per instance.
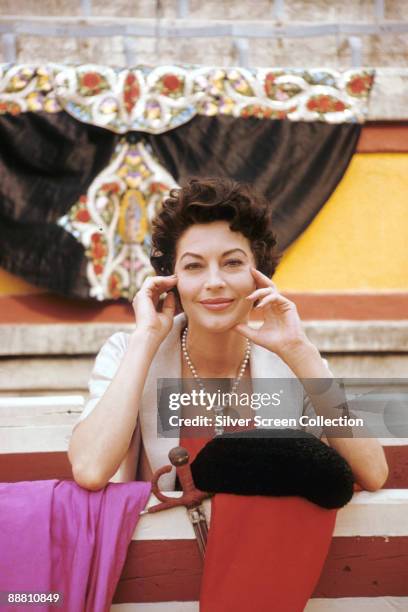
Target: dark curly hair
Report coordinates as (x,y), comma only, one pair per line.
(214,199)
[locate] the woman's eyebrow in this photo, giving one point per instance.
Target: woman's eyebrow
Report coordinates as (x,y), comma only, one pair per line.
(223,255)
(191,255)
(232,250)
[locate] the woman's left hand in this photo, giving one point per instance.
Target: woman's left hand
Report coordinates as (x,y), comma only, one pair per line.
(281,330)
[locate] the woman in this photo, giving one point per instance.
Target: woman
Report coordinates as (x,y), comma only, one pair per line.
(214,252)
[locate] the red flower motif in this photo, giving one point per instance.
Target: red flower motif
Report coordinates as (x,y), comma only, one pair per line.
(130,96)
(83,215)
(91,80)
(95,237)
(131,92)
(312,104)
(324,104)
(3,107)
(171,82)
(339,106)
(114,286)
(98,250)
(358,85)
(98,268)
(269,84)
(83,199)
(111,187)
(156,187)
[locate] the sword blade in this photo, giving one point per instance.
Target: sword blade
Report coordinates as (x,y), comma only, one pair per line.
(199,522)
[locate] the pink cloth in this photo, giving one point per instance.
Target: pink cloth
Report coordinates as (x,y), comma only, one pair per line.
(57,537)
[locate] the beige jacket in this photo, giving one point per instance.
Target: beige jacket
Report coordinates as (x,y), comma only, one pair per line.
(167,364)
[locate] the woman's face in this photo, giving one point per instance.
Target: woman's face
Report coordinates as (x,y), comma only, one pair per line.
(213,269)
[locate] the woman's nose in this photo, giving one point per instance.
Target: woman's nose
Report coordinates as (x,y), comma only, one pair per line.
(214,279)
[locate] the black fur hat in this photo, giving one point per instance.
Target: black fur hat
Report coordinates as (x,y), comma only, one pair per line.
(274,462)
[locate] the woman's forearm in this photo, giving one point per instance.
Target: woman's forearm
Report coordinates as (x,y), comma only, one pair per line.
(365,455)
(100,442)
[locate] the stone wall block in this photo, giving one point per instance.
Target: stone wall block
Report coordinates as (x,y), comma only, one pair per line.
(49,8)
(295,52)
(389,96)
(217,51)
(129,8)
(328,11)
(71,50)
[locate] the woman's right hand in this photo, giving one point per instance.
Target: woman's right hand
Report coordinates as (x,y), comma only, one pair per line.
(146,302)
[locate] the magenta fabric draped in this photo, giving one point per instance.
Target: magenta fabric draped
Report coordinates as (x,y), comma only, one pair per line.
(57,537)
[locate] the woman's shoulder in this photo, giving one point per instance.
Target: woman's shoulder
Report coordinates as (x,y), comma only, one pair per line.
(119,339)
(115,346)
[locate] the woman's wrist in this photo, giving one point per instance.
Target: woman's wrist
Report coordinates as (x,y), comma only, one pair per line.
(304,359)
(145,338)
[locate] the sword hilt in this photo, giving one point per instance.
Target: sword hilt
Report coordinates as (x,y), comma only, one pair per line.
(191,496)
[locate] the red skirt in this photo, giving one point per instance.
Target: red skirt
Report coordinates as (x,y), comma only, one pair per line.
(263,553)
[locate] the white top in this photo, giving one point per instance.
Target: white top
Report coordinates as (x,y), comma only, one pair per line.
(167,364)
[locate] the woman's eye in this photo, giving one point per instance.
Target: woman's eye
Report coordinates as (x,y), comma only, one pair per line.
(229,262)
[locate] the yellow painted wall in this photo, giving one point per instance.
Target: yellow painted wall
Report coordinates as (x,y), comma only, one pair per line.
(13,285)
(358,241)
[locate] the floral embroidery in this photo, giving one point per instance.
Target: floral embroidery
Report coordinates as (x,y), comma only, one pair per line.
(131,92)
(158,99)
(171,85)
(91,83)
(112,221)
(27,88)
(325,104)
(360,85)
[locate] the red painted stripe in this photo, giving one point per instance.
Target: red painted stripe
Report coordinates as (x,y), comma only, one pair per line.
(356,306)
(355,567)
(365,567)
(34,466)
(384,137)
(43,466)
(47,308)
(397,459)
(163,570)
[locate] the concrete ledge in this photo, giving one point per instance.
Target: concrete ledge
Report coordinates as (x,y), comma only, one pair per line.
(28,375)
(367,514)
(50,374)
(57,339)
(87,338)
(358,336)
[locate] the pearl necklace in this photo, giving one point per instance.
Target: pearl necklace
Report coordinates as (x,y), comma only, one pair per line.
(217,409)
